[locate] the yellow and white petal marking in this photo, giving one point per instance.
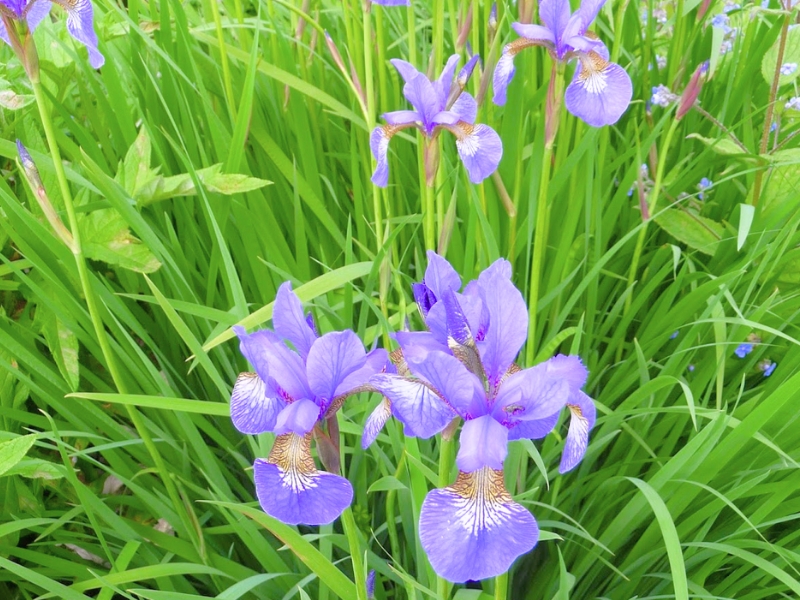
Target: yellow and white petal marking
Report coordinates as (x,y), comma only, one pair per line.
(467,143)
(292,455)
(578,421)
(593,73)
(483,500)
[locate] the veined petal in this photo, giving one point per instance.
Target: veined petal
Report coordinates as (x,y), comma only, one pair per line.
(582,43)
(555,15)
(472,307)
(570,368)
(379,144)
(588,11)
(376,422)
(600,91)
(442,85)
(419,91)
(440,275)
(256,348)
(582,417)
(483,443)
(289,321)
(479,148)
(535,429)
(80,25)
(252,411)
(423,297)
(503,74)
(459,388)
(424,339)
(474,529)
(331,359)
(376,361)
(508,320)
(529,395)
(534,32)
(465,108)
(37,11)
(291,489)
(298,417)
(406,69)
(401,117)
(415,404)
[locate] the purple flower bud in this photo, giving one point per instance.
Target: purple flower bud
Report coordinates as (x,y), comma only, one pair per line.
(692,91)
(371,585)
(466,72)
(493,18)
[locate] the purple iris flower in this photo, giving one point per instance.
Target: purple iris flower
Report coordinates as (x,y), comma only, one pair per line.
(600,91)
(80,21)
(474,529)
(290,392)
(439,105)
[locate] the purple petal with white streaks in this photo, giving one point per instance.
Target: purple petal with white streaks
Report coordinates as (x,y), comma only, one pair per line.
(290,322)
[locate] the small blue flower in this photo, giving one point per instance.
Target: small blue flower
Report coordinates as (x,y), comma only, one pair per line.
(721,21)
(743,349)
(662,96)
(704,184)
(766,366)
(793,103)
(690,368)
(788,68)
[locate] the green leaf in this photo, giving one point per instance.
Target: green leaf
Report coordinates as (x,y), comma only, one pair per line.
(791,54)
(136,172)
(163,188)
(172,404)
(697,232)
(36,468)
(789,267)
(390,482)
(671,539)
(746,214)
(106,237)
(724,146)
(62,343)
(14,450)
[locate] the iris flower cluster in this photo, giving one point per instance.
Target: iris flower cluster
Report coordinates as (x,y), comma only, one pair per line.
(461,367)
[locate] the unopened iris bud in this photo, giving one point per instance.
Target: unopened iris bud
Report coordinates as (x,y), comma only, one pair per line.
(493,19)
(464,29)
(465,73)
(337,58)
(689,96)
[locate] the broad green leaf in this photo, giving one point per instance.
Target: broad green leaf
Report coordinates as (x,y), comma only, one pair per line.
(724,146)
(62,343)
(13,101)
(164,188)
(171,404)
(697,232)
(390,482)
(14,450)
(106,237)
(791,54)
(136,172)
(746,214)
(36,468)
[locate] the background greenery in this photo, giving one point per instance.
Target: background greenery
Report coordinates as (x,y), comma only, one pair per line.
(689,487)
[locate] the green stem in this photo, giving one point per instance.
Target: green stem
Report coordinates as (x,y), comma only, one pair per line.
(651,207)
(438,34)
(223,55)
(501,586)
(445,466)
(429,211)
(351,532)
(91,302)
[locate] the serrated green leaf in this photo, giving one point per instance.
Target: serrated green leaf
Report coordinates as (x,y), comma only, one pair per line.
(13,451)
(163,188)
(697,232)
(791,54)
(106,237)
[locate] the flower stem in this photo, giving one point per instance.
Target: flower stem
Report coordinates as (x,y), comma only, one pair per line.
(351,532)
(501,586)
(429,213)
(91,304)
(223,56)
(552,117)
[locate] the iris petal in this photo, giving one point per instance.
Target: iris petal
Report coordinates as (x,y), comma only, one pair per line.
(474,529)
(252,411)
(483,443)
(376,422)
(291,489)
(479,148)
(503,74)
(332,358)
(600,91)
(289,321)
(417,406)
(80,25)
(582,418)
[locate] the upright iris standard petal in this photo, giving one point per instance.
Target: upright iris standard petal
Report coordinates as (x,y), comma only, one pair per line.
(289,321)
(474,529)
(582,418)
(415,404)
(406,69)
(555,15)
(483,443)
(331,359)
(479,148)
(80,25)
(37,12)
(252,410)
(508,318)
(440,275)
(298,417)
(256,347)
(459,388)
(291,489)
(445,80)
(536,33)
(419,91)
(600,91)
(465,108)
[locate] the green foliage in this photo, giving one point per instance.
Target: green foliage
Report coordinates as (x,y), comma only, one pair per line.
(689,487)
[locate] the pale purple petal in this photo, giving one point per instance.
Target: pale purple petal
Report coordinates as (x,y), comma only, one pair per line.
(480,149)
(483,443)
(252,411)
(414,404)
(534,430)
(442,85)
(291,489)
(4,33)
(376,361)
(440,275)
(508,320)
(420,92)
(599,95)
(392,2)
(446,117)
(474,529)
(401,117)
(80,25)
(503,74)
(585,44)
(582,417)
(528,395)
(465,108)
(256,347)
(535,33)
(555,15)
(379,144)
(331,359)
(406,69)
(375,423)
(570,368)
(588,12)
(298,417)
(424,339)
(289,321)
(472,307)
(37,12)
(457,386)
